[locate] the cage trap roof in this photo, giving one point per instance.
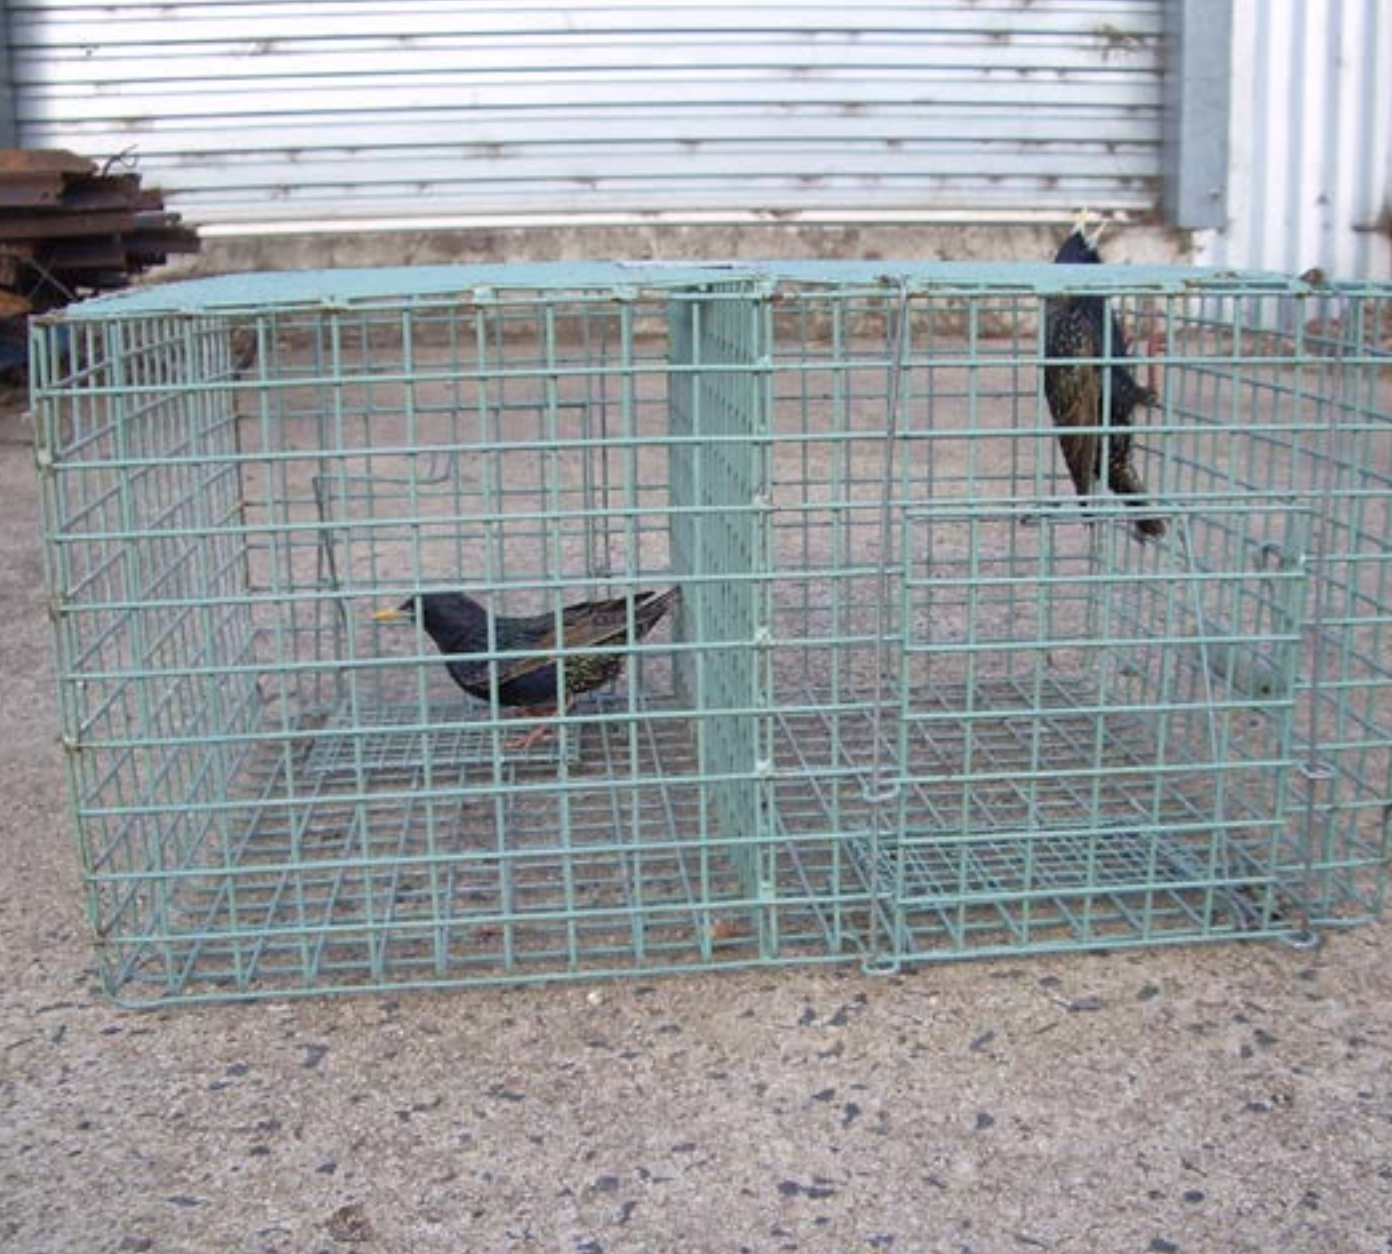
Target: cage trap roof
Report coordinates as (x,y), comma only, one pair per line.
(330,289)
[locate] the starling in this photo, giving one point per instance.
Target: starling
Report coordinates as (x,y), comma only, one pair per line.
(459,625)
(1077,326)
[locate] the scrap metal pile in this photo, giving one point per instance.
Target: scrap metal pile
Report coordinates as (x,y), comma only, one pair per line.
(71,228)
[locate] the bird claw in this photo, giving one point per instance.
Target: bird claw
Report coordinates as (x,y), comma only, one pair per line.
(542,731)
(1155,348)
(521,744)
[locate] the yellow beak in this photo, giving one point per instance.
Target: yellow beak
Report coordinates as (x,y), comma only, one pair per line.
(1080,223)
(391,616)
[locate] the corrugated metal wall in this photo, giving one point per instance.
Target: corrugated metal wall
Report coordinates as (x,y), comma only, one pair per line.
(267,111)
(1310,180)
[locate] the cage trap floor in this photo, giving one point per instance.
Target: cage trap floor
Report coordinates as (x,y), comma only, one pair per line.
(409,854)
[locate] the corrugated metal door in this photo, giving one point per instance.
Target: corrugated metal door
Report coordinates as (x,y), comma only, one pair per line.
(267,111)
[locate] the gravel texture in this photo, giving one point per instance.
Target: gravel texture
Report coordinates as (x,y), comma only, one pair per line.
(1224,1100)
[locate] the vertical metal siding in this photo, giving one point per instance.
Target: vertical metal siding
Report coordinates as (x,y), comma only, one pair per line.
(1310,182)
(268,111)
(7,94)
(1198,87)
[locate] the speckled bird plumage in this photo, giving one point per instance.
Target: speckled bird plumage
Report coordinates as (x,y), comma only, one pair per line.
(459,625)
(1082,327)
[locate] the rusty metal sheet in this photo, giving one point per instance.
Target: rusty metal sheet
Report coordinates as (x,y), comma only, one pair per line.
(43,161)
(33,226)
(29,191)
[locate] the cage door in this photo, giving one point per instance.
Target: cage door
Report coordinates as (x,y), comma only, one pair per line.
(1096,732)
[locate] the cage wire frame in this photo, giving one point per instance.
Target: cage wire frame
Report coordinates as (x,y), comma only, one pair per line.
(918,701)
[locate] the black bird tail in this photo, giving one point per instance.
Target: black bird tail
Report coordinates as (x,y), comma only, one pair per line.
(653,606)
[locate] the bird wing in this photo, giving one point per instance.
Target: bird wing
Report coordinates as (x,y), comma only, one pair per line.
(1074,389)
(1081,449)
(584,625)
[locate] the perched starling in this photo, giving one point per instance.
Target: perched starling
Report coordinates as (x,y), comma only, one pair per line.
(460,625)
(1077,326)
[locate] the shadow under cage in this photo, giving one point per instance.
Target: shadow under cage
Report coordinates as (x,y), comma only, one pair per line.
(916,700)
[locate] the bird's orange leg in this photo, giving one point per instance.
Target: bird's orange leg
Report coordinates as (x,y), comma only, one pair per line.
(1155,347)
(542,731)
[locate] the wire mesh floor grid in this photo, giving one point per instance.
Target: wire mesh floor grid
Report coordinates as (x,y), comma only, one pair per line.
(916,701)
(419,883)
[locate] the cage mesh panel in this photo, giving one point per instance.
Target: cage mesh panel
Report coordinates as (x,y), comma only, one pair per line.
(918,700)
(1313,400)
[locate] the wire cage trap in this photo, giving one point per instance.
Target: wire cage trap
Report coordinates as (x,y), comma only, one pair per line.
(917,700)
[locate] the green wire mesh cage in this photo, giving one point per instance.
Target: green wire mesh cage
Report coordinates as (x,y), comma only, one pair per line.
(917,699)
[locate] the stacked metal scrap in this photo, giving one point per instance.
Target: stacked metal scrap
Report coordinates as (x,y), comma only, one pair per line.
(70,228)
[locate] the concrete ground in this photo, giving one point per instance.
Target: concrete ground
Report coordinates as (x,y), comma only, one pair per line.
(1228,1100)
